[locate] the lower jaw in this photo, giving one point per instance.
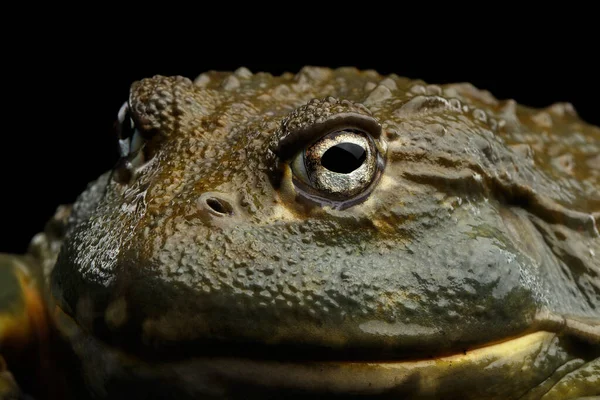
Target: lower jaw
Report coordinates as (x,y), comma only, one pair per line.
(526,367)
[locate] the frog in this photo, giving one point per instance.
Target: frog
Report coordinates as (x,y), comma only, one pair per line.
(333,233)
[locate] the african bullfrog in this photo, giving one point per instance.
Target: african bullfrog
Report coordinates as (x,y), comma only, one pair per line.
(329,234)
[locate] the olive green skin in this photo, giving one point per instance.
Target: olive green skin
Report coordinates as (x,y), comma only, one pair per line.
(483,225)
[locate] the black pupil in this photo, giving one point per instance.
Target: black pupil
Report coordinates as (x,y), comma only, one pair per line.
(343,158)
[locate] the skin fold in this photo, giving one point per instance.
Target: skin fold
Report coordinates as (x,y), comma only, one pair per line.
(225,255)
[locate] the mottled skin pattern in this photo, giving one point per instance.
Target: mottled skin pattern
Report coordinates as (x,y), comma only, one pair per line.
(482,227)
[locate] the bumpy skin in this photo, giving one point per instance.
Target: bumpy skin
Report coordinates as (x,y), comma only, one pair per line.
(482,227)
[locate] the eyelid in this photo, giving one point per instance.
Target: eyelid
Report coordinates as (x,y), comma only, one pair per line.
(295,140)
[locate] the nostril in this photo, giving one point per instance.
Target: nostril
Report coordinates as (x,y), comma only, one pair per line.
(220,206)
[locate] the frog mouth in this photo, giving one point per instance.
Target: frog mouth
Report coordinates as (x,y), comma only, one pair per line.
(530,365)
(519,364)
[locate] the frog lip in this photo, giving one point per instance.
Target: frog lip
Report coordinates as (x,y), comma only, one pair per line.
(503,348)
(350,356)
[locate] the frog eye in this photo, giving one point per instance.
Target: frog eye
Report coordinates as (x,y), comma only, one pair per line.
(131,145)
(130,139)
(338,167)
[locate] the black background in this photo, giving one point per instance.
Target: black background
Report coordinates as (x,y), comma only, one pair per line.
(62,90)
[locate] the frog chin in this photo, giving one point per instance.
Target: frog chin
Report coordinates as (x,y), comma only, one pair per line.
(509,369)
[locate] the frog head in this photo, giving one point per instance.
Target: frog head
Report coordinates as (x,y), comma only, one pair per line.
(334,229)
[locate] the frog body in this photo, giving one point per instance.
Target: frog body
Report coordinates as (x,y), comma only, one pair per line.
(333,233)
